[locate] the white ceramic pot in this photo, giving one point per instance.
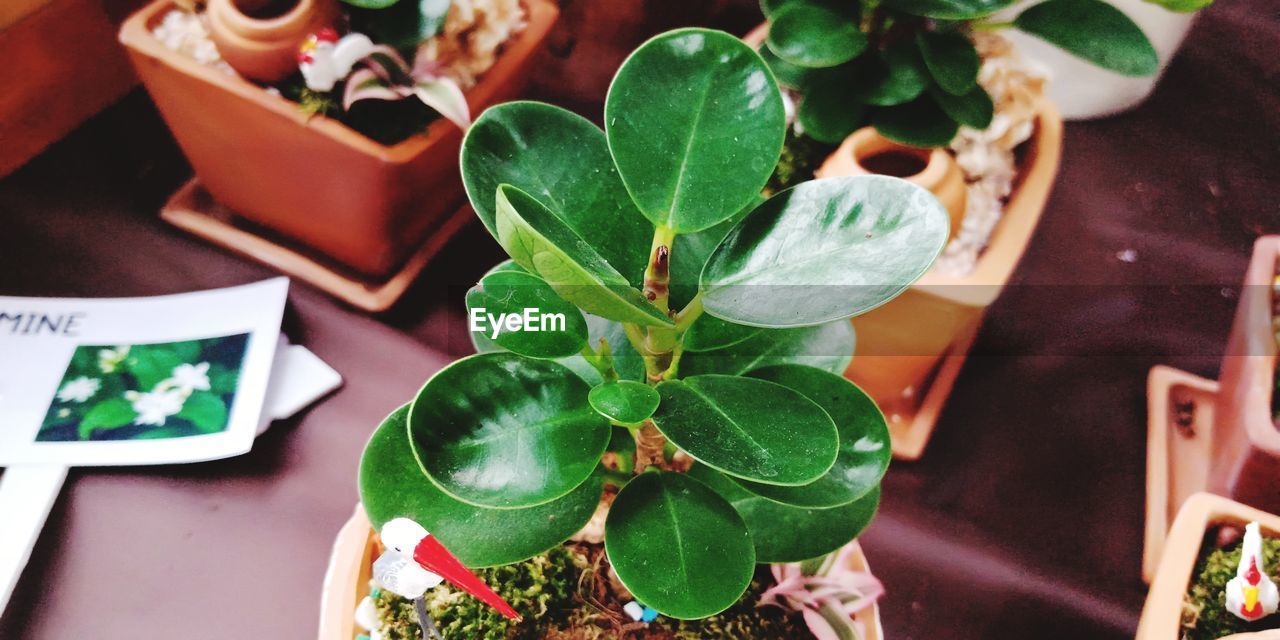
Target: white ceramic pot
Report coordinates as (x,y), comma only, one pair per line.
(1082,90)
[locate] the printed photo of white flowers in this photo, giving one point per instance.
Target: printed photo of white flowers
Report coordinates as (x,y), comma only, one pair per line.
(146,391)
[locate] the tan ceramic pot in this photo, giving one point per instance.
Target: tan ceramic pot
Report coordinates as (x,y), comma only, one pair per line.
(260,38)
(1218,436)
(311,179)
(1162,612)
(866,152)
(346,582)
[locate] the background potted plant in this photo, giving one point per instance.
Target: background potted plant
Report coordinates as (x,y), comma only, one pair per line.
(1219,437)
(694,387)
(299,162)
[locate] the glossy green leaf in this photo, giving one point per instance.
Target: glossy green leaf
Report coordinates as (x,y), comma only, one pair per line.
(895,76)
(1182,6)
(690,252)
(830,111)
(952,60)
(563,161)
(782,533)
(748,428)
(920,123)
(826,346)
(974,109)
(624,401)
(206,411)
(1093,30)
(502,431)
(392,486)
(825,250)
(678,546)
(542,243)
(811,35)
(547,325)
(695,123)
(710,333)
(864,439)
(787,74)
(949,9)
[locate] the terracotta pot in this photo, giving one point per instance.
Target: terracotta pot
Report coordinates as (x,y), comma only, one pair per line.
(312,179)
(866,152)
(260,38)
(346,581)
(1162,613)
(1218,436)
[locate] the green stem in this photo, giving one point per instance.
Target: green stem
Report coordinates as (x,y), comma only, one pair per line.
(601,361)
(616,478)
(686,316)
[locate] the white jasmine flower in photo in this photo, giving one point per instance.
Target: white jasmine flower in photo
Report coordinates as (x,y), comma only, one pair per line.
(109,359)
(189,377)
(79,389)
(155,407)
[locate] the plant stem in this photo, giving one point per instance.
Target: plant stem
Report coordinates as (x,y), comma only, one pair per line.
(658,345)
(686,316)
(602,360)
(650,446)
(618,478)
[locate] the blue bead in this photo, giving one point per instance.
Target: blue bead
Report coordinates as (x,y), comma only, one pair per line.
(649,615)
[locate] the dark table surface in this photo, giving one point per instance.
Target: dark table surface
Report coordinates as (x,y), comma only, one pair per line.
(1023,519)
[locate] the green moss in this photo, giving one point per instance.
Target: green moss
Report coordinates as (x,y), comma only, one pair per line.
(744,620)
(801,156)
(1205,615)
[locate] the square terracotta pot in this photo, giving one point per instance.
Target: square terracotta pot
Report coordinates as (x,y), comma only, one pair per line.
(1162,613)
(1218,437)
(346,582)
(312,179)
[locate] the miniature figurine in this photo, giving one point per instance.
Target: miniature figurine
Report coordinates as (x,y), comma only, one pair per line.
(324,59)
(415,561)
(1251,595)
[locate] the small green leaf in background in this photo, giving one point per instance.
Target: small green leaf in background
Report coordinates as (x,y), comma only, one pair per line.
(1182,6)
(510,292)
(974,109)
(695,123)
(206,411)
(563,161)
(782,533)
(748,428)
(108,414)
(895,76)
(624,401)
(787,74)
(502,431)
(949,9)
(151,364)
(825,250)
(403,24)
(710,333)
(920,123)
(1095,31)
(392,486)
(811,35)
(827,346)
(830,111)
(951,59)
(864,439)
(678,546)
(542,243)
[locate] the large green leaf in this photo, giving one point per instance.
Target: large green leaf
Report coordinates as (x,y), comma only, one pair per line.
(782,533)
(710,333)
(951,59)
(624,401)
(973,109)
(563,161)
(502,431)
(864,439)
(825,250)
(811,35)
(826,346)
(392,486)
(695,123)
(542,243)
(1095,31)
(949,9)
(895,76)
(678,546)
(919,123)
(511,293)
(748,428)
(691,251)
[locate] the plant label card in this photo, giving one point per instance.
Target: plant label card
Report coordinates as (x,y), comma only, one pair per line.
(128,381)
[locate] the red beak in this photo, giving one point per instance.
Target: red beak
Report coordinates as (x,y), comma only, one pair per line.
(435,558)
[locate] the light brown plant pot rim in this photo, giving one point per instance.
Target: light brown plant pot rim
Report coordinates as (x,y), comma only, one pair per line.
(346,581)
(136,33)
(1162,611)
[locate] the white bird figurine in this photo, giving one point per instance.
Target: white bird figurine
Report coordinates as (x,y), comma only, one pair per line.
(1251,595)
(324,59)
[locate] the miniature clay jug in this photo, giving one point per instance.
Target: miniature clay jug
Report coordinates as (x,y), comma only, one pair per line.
(260,38)
(867,152)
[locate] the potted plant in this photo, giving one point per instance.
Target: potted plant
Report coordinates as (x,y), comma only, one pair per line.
(1188,599)
(357,180)
(1219,437)
(930,93)
(687,407)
